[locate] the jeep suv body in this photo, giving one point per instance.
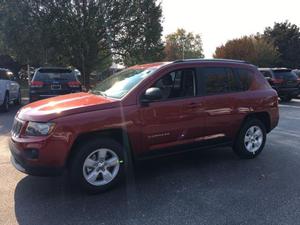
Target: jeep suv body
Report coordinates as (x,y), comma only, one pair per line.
(145,110)
(284,81)
(53,81)
(9,90)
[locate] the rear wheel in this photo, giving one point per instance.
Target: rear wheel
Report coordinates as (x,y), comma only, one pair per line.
(5,104)
(251,139)
(97,165)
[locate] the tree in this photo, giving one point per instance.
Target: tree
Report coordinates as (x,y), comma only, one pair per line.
(253,49)
(286,38)
(180,45)
(86,34)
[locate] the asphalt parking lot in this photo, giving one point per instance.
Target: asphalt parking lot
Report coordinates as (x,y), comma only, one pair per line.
(204,187)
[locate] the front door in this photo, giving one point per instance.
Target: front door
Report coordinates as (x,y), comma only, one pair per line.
(176,119)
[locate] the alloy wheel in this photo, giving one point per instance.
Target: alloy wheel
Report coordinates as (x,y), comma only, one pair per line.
(101,167)
(253,139)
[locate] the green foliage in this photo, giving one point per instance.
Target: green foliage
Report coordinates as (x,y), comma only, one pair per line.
(86,34)
(286,38)
(253,49)
(180,45)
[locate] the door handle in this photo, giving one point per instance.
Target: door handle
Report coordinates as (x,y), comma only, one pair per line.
(194,105)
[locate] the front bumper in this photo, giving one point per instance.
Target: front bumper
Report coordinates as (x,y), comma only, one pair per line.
(21,163)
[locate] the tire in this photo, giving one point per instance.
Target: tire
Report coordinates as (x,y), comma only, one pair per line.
(18,101)
(251,139)
(89,161)
(286,98)
(5,104)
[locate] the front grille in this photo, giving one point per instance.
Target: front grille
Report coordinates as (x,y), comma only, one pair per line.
(17,127)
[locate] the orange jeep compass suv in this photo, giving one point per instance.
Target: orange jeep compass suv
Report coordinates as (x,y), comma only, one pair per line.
(145,110)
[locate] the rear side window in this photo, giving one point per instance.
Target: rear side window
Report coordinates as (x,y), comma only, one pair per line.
(219,80)
(245,78)
(48,75)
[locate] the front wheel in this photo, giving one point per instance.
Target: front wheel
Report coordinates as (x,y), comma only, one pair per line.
(97,165)
(251,139)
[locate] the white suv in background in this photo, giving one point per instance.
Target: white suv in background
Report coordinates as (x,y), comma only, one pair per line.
(9,90)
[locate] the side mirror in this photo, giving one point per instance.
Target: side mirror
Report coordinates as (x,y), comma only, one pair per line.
(152,94)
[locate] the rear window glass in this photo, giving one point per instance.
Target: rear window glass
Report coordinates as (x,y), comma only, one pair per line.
(245,78)
(285,75)
(216,80)
(48,75)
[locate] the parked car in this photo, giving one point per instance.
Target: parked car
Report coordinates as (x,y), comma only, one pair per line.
(50,82)
(9,90)
(297,72)
(141,112)
(284,81)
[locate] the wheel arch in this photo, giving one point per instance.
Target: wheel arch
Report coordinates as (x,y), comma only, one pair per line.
(119,135)
(264,117)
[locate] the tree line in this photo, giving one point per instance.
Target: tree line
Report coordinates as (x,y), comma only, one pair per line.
(277,46)
(91,34)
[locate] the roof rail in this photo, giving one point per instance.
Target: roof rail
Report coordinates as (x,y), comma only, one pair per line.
(209,60)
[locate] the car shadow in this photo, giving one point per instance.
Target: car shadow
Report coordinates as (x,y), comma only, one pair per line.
(154,184)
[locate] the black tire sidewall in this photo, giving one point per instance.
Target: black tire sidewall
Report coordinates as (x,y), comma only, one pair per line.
(19,99)
(5,104)
(286,98)
(82,152)
(239,147)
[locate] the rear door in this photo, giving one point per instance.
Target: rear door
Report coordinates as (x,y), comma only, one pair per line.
(220,86)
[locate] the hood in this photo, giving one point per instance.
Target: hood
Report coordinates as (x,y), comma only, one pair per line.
(51,108)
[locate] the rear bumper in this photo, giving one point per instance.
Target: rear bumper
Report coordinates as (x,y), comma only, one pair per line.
(35,96)
(292,92)
(21,163)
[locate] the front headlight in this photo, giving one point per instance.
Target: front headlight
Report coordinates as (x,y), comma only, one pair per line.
(39,129)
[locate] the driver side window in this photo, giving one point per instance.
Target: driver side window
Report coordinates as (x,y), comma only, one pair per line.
(177,84)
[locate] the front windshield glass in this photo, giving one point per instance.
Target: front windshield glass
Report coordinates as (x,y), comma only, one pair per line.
(118,85)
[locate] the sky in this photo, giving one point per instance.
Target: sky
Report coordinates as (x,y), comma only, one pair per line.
(218,21)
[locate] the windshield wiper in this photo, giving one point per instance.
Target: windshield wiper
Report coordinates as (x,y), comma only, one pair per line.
(99,93)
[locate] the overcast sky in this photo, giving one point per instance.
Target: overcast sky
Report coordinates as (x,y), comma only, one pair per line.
(220,20)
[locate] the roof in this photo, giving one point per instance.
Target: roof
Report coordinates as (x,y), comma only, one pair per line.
(161,64)
(149,65)
(210,60)
(274,69)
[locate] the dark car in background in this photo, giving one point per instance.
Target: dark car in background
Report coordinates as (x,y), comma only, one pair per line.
(50,82)
(284,81)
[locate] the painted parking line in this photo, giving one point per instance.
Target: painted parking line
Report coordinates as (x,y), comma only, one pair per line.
(280,131)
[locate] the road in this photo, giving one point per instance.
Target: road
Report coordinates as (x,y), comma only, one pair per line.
(204,187)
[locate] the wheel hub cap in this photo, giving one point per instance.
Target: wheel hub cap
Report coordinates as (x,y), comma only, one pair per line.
(101,167)
(253,139)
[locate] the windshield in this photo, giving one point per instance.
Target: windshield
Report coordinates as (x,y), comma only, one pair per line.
(121,83)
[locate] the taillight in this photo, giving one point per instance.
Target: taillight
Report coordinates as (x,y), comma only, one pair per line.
(37,84)
(74,84)
(277,81)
